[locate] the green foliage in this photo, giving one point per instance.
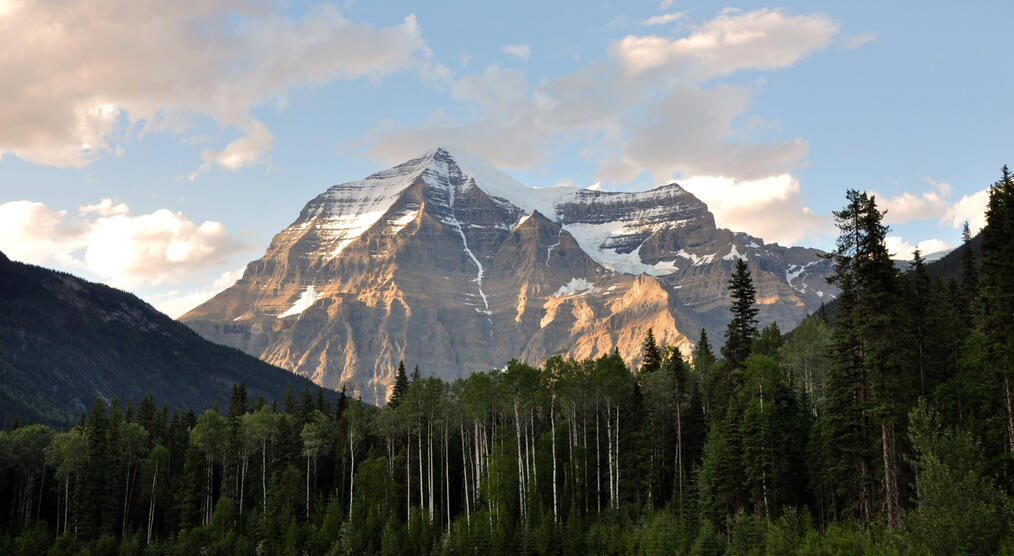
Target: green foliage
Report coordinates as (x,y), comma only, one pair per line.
(960,510)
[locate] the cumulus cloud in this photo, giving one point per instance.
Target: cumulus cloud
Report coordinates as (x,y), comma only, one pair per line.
(650,106)
(936,204)
(904,251)
(521,50)
(105,207)
(78,73)
(907,206)
(971,209)
(124,250)
(769,208)
(762,39)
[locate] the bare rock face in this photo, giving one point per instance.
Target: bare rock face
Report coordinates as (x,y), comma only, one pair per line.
(448,263)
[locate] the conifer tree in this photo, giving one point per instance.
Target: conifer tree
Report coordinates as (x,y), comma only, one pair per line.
(651,358)
(400,386)
(742,329)
(998,291)
(969,275)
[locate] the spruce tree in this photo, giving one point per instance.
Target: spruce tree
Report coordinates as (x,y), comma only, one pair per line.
(998,291)
(969,276)
(742,329)
(400,386)
(651,358)
(870,375)
(919,301)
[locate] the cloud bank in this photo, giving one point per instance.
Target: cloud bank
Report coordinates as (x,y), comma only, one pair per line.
(81,77)
(106,241)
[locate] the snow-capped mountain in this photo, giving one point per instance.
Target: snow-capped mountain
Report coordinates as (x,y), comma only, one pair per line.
(447,262)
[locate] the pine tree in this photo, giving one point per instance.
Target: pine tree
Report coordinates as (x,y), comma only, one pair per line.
(969,276)
(743,328)
(651,358)
(400,386)
(919,301)
(870,375)
(998,291)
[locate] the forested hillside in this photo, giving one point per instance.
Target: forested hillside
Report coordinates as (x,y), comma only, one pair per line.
(65,341)
(890,431)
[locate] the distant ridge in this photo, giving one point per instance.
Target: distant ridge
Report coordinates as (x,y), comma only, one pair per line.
(65,341)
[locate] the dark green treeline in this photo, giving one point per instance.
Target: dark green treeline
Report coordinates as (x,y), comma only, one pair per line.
(885,427)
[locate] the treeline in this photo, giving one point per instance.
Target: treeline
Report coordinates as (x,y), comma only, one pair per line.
(889,428)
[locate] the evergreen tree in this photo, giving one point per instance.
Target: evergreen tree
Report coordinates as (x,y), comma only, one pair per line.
(918,313)
(742,329)
(969,276)
(400,386)
(651,356)
(998,292)
(769,342)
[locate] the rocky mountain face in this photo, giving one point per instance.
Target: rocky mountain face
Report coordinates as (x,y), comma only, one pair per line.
(446,262)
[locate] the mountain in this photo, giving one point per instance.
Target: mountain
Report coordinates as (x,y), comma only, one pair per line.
(447,262)
(65,341)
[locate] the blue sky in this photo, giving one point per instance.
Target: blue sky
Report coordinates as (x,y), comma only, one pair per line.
(208,124)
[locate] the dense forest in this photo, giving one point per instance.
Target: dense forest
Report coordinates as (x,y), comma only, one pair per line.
(887,429)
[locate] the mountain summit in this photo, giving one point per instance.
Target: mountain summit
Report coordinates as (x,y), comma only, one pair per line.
(449,263)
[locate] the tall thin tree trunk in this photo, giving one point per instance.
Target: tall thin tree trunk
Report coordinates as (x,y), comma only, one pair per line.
(151,505)
(264,476)
(890,476)
(429,462)
(422,497)
(598,473)
(447,479)
(66,500)
(616,462)
(679,442)
(1009,393)
(464,474)
(408,477)
(352,473)
(552,439)
(521,471)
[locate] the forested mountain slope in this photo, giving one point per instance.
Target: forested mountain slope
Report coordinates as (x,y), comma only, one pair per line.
(65,341)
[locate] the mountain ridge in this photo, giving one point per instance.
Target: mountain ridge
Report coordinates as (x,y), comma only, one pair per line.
(447,261)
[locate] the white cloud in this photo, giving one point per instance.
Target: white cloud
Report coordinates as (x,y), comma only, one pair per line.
(521,50)
(855,41)
(646,108)
(971,209)
(769,208)
(105,207)
(78,73)
(936,204)
(903,250)
(124,250)
(665,4)
(906,206)
(762,39)
(175,303)
(662,19)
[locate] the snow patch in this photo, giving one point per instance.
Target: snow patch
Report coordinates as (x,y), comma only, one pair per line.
(696,259)
(734,254)
(306,299)
(399,223)
(575,286)
(793,271)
